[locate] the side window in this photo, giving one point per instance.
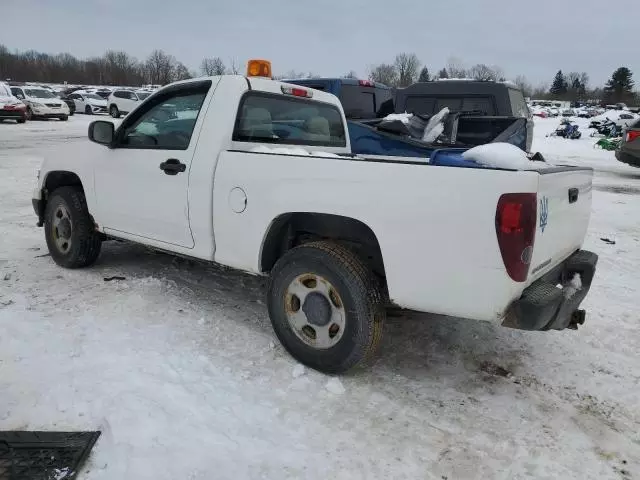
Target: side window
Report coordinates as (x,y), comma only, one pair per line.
(120,94)
(454,104)
(167,123)
(132,96)
(420,105)
(17,92)
(518,105)
(280,119)
(483,105)
(358,102)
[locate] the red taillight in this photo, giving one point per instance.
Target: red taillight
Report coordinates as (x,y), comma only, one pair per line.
(366,83)
(296,92)
(632,135)
(516,220)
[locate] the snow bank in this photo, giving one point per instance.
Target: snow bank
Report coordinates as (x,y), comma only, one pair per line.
(501,155)
(299,151)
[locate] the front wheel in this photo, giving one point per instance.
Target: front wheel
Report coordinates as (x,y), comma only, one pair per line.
(87,110)
(69,229)
(114,112)
(29,114)
(326,307)
(64,118)
(21,120)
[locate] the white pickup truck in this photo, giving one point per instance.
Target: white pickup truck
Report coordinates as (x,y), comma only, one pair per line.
(257,175)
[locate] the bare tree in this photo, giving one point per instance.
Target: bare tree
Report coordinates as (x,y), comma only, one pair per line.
(212,66)
(408,67)
(180,72)
(233,67)
(160,67)
(455,68)
(485,73)
(524,85)
(541,91)
(350,74)
(384,73)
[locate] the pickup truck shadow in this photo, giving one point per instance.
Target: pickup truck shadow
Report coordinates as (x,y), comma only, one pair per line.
(414,344)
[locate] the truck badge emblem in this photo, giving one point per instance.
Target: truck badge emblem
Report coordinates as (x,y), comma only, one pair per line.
(544,212)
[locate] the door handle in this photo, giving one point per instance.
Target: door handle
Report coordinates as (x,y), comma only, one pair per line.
(172,166)
(573,195)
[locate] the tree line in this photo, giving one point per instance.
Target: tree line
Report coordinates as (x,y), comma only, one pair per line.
(120,68)
(574,86)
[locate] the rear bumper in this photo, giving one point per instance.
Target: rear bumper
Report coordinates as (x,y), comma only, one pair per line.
(627,158)
(545,306)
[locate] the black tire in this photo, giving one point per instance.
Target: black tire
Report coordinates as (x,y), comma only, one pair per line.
(87,110)
(21,120)
(114,112)
(64,118)
(84,242)
(358,291)
(30,114)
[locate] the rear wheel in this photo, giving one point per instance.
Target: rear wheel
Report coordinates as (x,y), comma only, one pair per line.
(69,229)
(114,112)
(325,307)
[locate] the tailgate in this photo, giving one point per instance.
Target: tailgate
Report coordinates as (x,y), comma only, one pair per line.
(564,208)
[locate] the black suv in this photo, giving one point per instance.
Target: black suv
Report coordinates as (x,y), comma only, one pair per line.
(469,98)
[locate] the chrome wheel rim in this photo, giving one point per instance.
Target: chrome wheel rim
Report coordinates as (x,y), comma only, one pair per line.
(62,229)
(315,311)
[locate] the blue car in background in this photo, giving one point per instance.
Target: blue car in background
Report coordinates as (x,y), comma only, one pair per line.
(361,99)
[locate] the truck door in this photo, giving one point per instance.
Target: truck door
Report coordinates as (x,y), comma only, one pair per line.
(142,182)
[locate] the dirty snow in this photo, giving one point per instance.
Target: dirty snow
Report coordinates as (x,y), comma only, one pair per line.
(179,398)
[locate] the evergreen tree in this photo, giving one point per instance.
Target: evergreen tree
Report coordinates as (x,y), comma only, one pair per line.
(424,75)
(559,85)
(443,73)
(619,88)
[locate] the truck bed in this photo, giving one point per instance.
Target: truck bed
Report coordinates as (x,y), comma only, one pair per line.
(368,138)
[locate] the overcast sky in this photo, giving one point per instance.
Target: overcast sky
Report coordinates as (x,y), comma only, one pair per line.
(332,37)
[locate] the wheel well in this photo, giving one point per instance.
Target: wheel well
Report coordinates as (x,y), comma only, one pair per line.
(293,229)
(61,179)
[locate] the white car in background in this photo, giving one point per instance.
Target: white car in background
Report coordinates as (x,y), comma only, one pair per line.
(41,103)
(88,103)
(122,101)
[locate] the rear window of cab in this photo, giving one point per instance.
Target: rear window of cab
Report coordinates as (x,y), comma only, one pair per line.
(279,119)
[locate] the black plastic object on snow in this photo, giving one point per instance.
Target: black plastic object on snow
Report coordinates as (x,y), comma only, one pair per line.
(44,455)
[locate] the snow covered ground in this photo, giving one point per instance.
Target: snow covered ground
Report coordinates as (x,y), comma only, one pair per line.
(179,368)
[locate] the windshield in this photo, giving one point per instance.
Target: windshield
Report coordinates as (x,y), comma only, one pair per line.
(142,95)
(92,96)
(38,93)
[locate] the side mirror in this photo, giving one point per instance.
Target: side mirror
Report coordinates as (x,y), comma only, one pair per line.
(101,132)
